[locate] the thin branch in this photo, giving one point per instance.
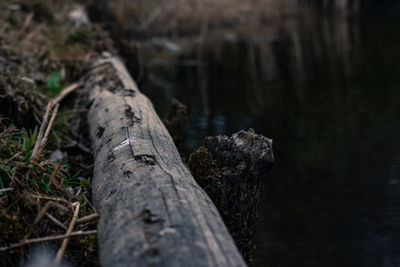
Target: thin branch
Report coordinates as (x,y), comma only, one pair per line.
(42,129)
(88,218)
(27,21)
(43,135)
(79,191)
(13,157)
(87,201)
(55,221)
(37,219)
(33,33)
(66,91)
(46,135)
(56,170)
(64,244)
(48,238)
(52,199)
(6,189)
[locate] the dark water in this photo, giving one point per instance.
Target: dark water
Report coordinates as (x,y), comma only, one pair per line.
(327,91)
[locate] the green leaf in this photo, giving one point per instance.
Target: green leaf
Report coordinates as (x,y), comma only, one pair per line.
(70,180)
(29,139)
(6,168)
(53,82)
(75,175)
(66,165)
(44,184)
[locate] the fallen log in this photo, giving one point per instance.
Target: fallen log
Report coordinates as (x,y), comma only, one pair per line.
(232,171)
(152,212)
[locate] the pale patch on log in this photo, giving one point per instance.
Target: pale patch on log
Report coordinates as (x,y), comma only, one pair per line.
(152,212)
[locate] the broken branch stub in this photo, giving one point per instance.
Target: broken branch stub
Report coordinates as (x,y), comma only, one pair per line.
(152,212)
(232,171)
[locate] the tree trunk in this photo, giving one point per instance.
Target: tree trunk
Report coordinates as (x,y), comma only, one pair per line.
(152,211)
(232,171)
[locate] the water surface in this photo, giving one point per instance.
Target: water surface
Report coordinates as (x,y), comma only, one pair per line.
(327,92)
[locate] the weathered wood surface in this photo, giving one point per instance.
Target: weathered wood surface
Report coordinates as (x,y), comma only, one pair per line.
(152,211)
(232,171)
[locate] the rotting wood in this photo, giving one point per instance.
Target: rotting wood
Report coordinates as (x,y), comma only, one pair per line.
(232,171)
(176,122)
(152,212)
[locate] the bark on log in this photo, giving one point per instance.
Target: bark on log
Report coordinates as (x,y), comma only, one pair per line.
(152,211)
(232,171)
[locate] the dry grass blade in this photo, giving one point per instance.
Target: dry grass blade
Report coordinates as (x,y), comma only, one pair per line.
(35,152)
(88,218)
(45,239)
(55,221)
(16,155)
(49,126)
(64,244)
(6,190)
(28,21)
(56,170)
(46,125)
(37,219)
(52,199)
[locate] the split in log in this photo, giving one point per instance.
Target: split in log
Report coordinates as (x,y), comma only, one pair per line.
(152,212)
(232,172)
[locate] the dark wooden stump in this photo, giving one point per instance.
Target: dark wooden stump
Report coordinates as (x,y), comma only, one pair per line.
(232,171)
(176,122)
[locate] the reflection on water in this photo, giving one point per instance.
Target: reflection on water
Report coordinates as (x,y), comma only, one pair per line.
(327,92)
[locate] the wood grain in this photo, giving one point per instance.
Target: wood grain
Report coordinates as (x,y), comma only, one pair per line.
(152,212)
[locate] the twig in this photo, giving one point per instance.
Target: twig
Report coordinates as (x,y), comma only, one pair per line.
(66,91)
(46,126)
(55,221)
(48,238)
(6,189)
(52,199)
(87,201)
(49,126)
(27,21)
(42,129)
(37,219)
(79,191)
(88,218)
(13,157)
(64,244)
(56,170)
(59,206)
(33,33)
